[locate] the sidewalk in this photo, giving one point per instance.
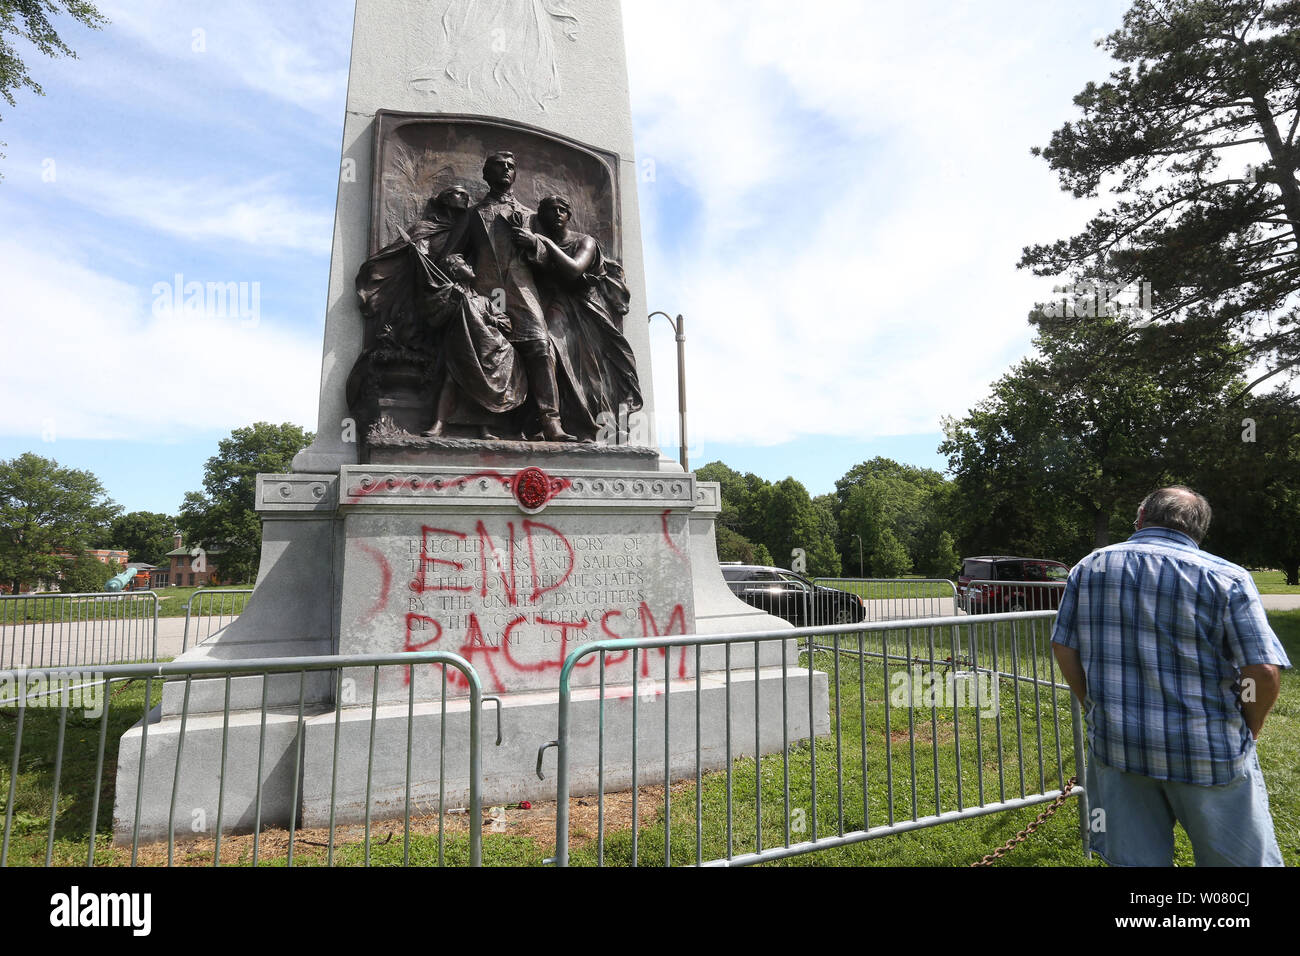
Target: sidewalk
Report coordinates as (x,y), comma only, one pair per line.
(1280,602)
(70,643)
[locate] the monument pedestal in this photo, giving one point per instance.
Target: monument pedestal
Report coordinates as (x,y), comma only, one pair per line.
(380,559)
(484,145)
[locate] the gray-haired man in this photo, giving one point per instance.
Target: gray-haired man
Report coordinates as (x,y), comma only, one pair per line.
(1170,652)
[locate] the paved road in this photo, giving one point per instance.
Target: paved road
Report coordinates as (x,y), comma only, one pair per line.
(50,645)
(892,609)
(53,645)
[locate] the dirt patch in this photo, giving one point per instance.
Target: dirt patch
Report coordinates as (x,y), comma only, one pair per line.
(924,734)
(536,823)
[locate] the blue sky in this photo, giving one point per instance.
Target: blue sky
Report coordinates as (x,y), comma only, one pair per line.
(840,193)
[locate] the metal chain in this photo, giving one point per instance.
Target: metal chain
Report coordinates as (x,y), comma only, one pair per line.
(1020,837)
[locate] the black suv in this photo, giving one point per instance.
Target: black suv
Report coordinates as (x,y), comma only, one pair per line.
(792,596)
(1045,580)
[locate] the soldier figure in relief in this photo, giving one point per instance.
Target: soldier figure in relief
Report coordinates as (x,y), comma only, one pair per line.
(493,237)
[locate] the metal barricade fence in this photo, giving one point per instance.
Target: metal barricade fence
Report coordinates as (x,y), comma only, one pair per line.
(844,600)
(890,599)
(208,611)
(54,789)
(997,597)
(78,630)
(895,754)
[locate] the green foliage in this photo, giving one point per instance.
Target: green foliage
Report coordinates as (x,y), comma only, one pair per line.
(1252,484)
(223,517)
(36,29)
(29,20)
(762,521)
(47,511)
(733,546)
(1074,437)
(145,535)
(889,559)
(881,496)
(1204,90)
(944,561)
(86,574)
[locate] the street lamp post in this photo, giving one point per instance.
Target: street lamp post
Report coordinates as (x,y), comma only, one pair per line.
(679,327)
(859,537)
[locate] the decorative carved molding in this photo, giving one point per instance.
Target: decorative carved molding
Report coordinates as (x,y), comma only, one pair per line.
(366,485)
(708,497)
(297,492)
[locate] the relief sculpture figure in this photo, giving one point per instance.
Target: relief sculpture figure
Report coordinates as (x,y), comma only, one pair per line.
(490,237)
(488,321)
(586,300)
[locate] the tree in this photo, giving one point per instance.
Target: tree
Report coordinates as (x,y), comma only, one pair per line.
(37,29)
(889,559)
(224,517)
(1077,434)
(1208,86)
(760,519)
(882,494)
(145,535)
(788,518)
(734,490)
(86,574)
(1249,472)
(736,547)
(823,553)
(47,512)
(943,561)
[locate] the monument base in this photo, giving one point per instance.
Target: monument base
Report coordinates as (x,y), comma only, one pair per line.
(384,558)
(527,723)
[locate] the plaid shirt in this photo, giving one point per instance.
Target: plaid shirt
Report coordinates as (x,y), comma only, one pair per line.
(1163,629)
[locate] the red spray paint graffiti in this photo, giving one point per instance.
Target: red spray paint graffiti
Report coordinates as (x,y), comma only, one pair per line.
(496,652)
(517,569)
(385,580)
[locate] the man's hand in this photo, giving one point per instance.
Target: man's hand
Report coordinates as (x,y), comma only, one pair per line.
(1260,685)
(1071,664)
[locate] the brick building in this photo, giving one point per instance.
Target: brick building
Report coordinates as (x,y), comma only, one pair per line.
(181,571)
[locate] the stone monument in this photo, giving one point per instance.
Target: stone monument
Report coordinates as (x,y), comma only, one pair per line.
(484,477)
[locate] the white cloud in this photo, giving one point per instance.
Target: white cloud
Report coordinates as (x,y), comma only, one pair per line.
(896,137)
(85,357)
(255,213)
(299,58)
(900,135)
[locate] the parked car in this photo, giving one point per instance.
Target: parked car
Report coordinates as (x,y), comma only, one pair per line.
(792,596)
(1041,580)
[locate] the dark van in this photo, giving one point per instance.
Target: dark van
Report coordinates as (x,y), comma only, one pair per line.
(1033,584)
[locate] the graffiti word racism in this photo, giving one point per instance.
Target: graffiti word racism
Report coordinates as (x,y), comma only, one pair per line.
(518,597)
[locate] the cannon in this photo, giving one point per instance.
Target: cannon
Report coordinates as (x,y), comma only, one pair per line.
(119,582)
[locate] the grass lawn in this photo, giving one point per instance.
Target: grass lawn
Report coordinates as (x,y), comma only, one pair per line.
(890,590)
(1273,582)
(857,703)
(171,603)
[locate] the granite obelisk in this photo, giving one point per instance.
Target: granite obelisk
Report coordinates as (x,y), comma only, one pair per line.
(486,305)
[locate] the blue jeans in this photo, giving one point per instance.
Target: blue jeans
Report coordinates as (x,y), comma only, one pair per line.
(1229,825)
